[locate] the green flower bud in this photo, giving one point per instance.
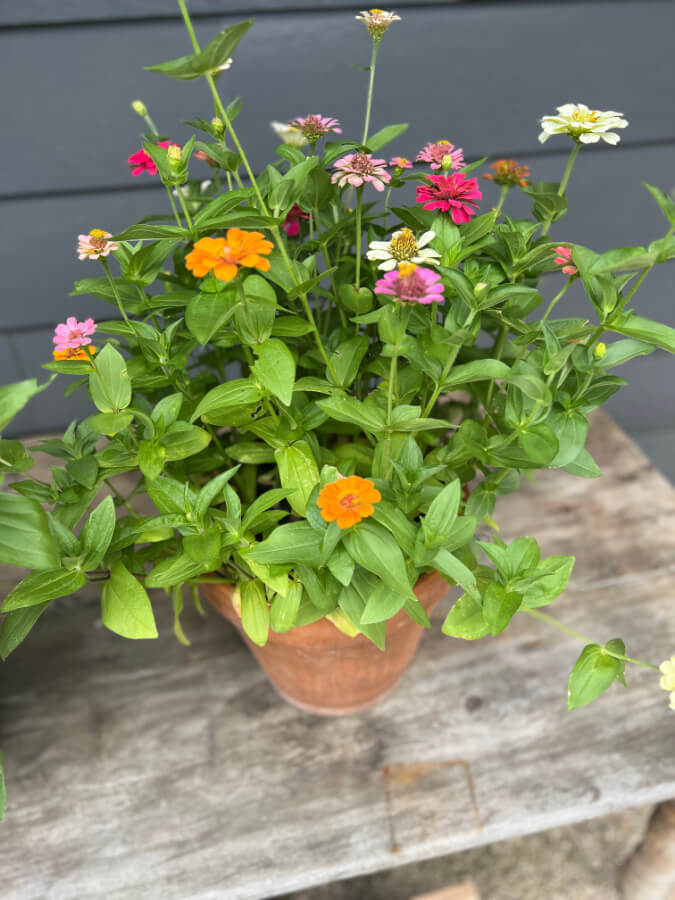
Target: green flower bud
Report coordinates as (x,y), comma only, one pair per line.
(139,107)
(217,125)
(600,350)
(446,163)
(174,154)
(479,288)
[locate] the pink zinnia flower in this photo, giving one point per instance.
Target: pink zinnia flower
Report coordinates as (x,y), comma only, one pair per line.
(564,258)
(142,162)
(358,168)
(293,218)
(95,244)
(73,334)
(412,284)
(455,193)
(400,162)
(315,126)
(436,153)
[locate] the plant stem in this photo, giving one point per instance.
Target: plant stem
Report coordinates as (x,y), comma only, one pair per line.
(181,200)
(173,207)
(563,183)
(386,208)
(106,267)
(502,197)
(151,125)
(497,353)
(557,297)
(359,240)
(371,82)
(446,369)
(550,620)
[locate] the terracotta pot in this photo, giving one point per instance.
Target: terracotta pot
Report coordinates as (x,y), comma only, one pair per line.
(320,669)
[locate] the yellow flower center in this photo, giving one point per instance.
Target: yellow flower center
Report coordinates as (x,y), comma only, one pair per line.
(403,245)
(583,117)
(97,233)
(442,142)
(377,12)
(406,268)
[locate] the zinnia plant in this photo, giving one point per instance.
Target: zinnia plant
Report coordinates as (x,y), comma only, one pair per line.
(318,387)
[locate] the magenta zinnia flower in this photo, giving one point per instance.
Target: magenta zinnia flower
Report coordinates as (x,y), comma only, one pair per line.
(358,168)
(564,258)
(436,153)
(315,126)
(293,218)
(142,162)
(412,284)
(455,194)
(73,334)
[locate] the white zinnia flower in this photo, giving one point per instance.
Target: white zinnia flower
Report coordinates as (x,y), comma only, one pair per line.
(583,124)
(668,674)
(377,21)
(289,134)
(403,246)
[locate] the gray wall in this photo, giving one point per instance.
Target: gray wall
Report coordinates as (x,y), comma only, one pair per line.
(480,74)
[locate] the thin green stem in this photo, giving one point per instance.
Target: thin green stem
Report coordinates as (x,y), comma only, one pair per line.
(151,125)
(446,370)
(577,635)
(502,197)
(555,300)
(386,207)
(123,501)
(173,206)
(497,354)
(563,183)
(106,267)
(181,200)
(359,237)
(371,83)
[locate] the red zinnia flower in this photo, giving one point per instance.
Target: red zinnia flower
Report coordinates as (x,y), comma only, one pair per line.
(142,161)
(293,218)
(454,193)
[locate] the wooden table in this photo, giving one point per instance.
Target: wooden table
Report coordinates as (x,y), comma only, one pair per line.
(148,770)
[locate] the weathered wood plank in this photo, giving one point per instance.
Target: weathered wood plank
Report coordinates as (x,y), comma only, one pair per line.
(146,770)
(478,75)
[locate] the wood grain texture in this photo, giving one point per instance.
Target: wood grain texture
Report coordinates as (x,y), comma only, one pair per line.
(480,75)
(147,770)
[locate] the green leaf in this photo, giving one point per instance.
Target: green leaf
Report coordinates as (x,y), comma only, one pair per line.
(275,369)
(255,614)
(16,626)
(145,232)
(203,548)
(666,203)
(439,520)
(14,457)
(531,385)
(110,424)
(174,570)
(635,326)
(211,491)
(621,351)
(151,459)
(351,410)
(209,60)
(284,610)
(583,465)
(13,397)
(221,401)
(384,136)
(25,538)
(593,672)
(620,258)
(374,548)
(295,543)
(207,313)
(183,440)
(499,607)
(551,575)
(298,472)
(347,358)
(352,605)
(109,383)
(97,533)
(453,570)
(479,370)
(539,444)
(125,605)
(40,587)
(465,620)
(382,604)
(571,428)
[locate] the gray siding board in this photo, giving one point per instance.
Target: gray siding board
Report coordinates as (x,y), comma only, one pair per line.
(480,76)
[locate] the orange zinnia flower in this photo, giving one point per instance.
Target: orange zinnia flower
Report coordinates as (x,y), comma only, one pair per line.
(75,353)
(348,500)
(223,256)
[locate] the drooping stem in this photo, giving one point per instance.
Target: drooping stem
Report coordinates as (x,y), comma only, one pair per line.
(371,83)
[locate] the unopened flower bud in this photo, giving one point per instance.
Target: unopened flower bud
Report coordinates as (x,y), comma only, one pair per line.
(598,353)
(174,154)
(447,162)
(479,288)
(139,108)
(217,125)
